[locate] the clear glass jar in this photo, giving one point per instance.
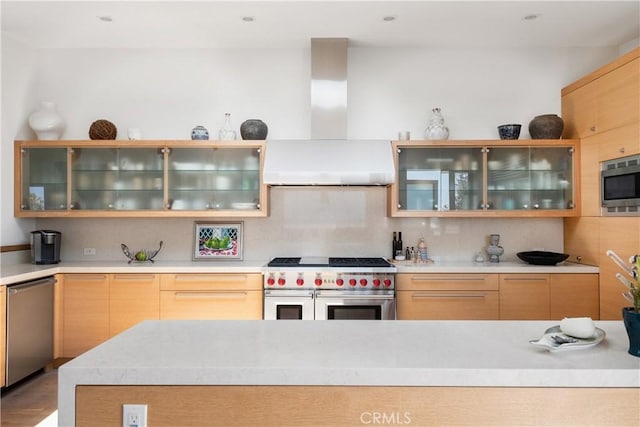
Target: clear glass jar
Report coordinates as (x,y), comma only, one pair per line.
(436,129)
(227,133)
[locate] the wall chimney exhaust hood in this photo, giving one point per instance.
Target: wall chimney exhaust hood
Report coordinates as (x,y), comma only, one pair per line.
(328,158)
(328,162)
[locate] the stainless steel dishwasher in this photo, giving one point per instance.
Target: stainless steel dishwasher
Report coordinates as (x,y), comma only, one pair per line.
(29,328)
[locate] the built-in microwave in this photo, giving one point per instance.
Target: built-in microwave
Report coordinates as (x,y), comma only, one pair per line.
(620,186)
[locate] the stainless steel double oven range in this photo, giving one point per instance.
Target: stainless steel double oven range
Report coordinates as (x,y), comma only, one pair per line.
(324,288)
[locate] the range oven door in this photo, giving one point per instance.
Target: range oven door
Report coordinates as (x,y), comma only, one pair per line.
(346,305)
(284,304)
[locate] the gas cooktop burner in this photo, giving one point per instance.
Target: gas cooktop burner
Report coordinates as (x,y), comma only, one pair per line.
(329,262)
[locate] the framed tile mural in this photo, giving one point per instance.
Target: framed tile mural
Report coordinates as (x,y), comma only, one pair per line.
(218,241)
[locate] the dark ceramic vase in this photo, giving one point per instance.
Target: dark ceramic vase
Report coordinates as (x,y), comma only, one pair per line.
(632,324)
(254,129)
(546,126)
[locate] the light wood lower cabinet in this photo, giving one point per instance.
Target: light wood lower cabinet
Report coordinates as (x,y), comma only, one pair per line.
(524,296)
(433,296)
(3,334)
(85,312)
(94,307)
(548,296)
(447,296)
(621,235)
(132,299)
(211,296)
(574,295)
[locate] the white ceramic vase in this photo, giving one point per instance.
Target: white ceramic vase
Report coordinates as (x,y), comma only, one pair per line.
(46,122)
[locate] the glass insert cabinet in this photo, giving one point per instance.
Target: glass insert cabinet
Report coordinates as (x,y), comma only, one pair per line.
(507,178)
(141,178)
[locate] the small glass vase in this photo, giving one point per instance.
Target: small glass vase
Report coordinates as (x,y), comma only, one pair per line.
(227,133)
(436,129)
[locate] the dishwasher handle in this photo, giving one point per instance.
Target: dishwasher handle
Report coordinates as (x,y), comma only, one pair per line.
(22,287)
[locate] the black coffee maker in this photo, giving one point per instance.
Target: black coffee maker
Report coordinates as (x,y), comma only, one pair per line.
(45,246)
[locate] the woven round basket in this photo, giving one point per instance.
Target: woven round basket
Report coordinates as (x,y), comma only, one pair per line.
(102,129)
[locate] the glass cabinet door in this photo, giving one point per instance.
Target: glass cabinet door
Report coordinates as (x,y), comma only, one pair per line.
(117,178)
(43,179)
(530,178)
(439,179)
(214,178)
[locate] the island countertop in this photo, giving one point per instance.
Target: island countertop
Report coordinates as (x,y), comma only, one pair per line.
(347,353)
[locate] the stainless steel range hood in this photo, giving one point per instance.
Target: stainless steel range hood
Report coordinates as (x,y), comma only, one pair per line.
(328,158)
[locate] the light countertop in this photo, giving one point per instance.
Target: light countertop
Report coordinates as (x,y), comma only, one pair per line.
(488,267)
(375,353)
(14,273)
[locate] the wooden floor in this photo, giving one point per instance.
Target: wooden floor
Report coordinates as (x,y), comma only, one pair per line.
(32,402)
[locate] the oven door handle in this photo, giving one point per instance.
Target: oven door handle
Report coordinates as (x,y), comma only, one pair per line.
(341,295)
(268,293)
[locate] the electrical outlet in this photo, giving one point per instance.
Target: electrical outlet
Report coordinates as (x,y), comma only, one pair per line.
(134,415)
(89,251)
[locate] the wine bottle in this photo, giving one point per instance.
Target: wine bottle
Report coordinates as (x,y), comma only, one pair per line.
(399,248)
(394,245)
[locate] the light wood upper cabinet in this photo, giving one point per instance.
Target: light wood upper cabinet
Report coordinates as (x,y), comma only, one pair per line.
(590,175)
(132,299)
(580,112)
(620,142)
(85,312)
(139,179)
(211,296)
(506,178)
(603,100)
(582,240)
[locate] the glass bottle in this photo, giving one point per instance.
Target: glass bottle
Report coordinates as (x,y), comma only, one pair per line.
(436,129)
(226,132)
(422,250)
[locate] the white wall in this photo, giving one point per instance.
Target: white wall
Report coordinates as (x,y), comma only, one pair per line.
(167,92)
(19,66)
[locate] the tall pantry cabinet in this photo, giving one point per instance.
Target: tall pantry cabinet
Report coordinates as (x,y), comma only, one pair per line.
(602,109)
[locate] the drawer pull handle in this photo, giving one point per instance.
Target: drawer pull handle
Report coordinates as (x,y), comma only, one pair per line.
(527,279)
(446,295)
(216,295)
(447,279)
(211,278)
(134,277)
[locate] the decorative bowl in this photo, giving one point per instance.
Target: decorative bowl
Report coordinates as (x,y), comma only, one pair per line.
(144,255)
(542,257)
(510,131)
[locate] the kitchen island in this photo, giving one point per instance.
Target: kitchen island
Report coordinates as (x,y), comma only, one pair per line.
(343,373)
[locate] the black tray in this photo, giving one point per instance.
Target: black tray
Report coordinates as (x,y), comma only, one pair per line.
(542,257)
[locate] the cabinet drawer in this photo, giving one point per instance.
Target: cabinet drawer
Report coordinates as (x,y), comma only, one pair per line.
(446,282)
(211,304)
(206,282)
(448,305)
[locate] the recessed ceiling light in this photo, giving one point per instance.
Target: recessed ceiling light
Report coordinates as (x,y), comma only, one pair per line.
(248,18)
(388,18)
(531,17)
(105,18)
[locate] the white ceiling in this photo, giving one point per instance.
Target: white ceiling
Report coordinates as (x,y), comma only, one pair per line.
(291,24)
